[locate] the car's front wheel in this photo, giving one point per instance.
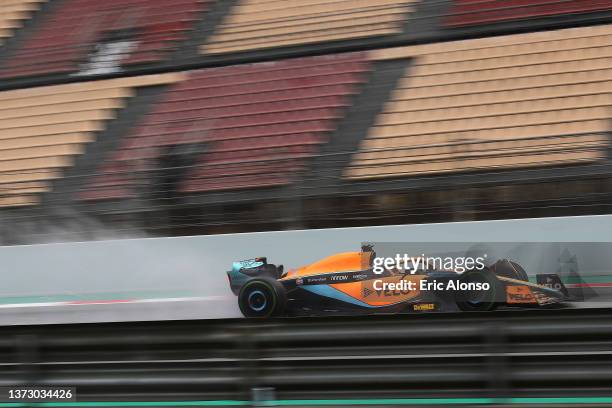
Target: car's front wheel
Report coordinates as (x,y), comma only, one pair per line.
(262,297)
(470,299)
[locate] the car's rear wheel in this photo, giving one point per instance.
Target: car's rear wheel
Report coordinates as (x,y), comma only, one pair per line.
(509,269)
(262,297)
(471,300)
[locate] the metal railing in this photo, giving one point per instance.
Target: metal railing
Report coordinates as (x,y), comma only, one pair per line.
(506,357)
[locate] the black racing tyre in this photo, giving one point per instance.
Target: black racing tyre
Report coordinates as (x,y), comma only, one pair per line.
(262,297)
(478,300)
(509,269)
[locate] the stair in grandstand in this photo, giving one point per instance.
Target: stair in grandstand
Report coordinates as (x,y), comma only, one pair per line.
(327,169)
(44,129)
(74,179)
(203,30)
(17,36)
(426,23)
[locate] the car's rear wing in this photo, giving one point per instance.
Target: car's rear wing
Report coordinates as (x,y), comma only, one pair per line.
(552,281)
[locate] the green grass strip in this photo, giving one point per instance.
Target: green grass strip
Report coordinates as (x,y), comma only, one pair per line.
(331,402)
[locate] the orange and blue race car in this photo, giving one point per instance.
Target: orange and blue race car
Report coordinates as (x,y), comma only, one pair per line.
(346,283)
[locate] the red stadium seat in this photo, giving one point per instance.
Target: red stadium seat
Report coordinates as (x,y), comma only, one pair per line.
(257,125)
(477,12)
(66,38)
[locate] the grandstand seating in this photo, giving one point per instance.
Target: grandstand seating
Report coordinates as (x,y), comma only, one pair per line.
(42,129)
(258,24)
(477,12)
(533,99)
(13,13)
(252,125)
(67,37)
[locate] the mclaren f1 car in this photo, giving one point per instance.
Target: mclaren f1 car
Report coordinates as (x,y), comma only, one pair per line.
(346,283)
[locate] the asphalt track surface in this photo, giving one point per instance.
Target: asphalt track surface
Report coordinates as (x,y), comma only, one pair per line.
(161,309)
(214,307)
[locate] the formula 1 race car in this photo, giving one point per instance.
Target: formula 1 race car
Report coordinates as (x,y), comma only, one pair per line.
(347,283)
